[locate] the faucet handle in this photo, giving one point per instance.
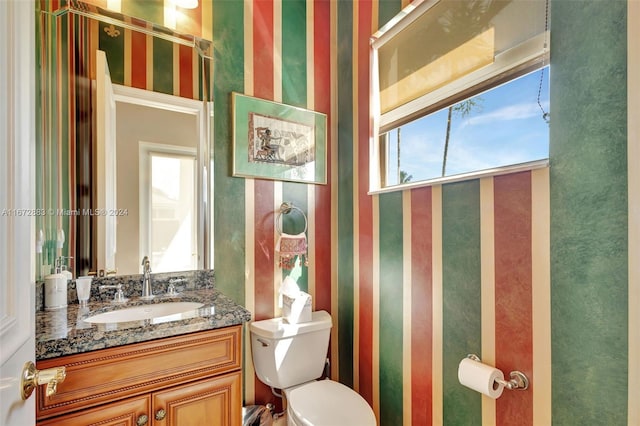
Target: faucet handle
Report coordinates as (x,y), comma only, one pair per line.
(146,265)
(171,290)
(119,296)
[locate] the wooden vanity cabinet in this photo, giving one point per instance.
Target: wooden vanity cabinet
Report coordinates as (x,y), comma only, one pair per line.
(193,379)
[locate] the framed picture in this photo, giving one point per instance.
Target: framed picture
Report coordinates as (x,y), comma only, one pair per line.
(277,141)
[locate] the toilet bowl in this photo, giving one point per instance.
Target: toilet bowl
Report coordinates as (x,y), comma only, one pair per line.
(292,357)
(327,403)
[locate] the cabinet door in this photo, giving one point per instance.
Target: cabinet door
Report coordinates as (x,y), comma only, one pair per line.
(129,412)
(211,402)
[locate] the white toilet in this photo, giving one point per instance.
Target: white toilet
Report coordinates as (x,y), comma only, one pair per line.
(291,357)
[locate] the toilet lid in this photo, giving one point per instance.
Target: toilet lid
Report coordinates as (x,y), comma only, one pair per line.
(329,403)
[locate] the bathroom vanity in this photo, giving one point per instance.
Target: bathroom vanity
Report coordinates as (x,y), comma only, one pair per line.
(176,371)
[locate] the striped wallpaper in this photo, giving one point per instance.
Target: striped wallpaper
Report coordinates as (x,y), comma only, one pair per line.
(286,49)
(527,270)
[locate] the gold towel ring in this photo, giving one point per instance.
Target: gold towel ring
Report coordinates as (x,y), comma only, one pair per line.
(286,208)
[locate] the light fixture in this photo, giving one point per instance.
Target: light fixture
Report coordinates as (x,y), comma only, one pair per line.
(186,4)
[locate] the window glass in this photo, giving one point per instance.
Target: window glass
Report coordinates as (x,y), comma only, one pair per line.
(173,214)
(503,126)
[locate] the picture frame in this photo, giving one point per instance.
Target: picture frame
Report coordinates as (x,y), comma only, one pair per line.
(275,141)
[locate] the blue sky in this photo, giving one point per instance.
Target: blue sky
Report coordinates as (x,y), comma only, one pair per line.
(506,128)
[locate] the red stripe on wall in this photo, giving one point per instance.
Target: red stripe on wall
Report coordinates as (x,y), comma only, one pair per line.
(263,63)
(263,48)
(513,291)
(365,205)
(185,60)
(263,86)
(263,253)
(322,103)
(264,249)
(421,306)
(138,60)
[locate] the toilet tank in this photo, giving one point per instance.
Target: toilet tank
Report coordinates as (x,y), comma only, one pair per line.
(286,355)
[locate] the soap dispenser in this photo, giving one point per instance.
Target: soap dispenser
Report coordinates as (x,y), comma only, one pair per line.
(55,289)
(65,269)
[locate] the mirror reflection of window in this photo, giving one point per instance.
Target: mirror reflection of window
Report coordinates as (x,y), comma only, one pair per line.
(172,221)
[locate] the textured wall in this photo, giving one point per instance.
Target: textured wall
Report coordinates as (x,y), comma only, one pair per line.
(589,213)
(527,270)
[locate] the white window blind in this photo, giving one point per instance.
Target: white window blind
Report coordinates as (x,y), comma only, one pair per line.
(441,49)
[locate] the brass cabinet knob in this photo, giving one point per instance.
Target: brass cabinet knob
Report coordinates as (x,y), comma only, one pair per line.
(161,414)
(142,420)
(32,377)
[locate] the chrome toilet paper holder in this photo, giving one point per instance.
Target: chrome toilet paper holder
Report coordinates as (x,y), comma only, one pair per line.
(519,380)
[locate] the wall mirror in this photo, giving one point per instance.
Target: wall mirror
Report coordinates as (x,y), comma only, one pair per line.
(124,162)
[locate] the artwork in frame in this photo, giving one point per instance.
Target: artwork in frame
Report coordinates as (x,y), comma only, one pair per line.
(279,142)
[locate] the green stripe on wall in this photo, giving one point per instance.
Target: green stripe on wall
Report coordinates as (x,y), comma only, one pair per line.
(65,142)
(391,308)
(461,274)
(294,53)
(54,120)
(294,223)
(162,66)
(113,48)
(204,90)
(229,207)
(345,191)
(589,288)
(294,92)
(40,118)
(387,9)
(64,108)
(149,10)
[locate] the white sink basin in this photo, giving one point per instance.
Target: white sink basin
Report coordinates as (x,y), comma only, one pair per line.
(144,312)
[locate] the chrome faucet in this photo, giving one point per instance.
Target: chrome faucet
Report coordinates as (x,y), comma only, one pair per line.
(146,279)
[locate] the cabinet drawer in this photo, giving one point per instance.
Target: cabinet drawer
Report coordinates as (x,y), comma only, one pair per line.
(97,377)
(121,413)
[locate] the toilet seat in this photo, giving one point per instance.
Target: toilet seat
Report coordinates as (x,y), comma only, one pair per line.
(327,403)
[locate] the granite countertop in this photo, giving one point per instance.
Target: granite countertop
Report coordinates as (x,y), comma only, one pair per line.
(63,332)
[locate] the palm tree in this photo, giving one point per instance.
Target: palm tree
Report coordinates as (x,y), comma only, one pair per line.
(462,109)
(405,177)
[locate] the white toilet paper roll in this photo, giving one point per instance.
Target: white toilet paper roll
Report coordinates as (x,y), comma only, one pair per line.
(480,377)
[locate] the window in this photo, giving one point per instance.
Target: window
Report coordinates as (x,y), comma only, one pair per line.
(173,206)
(460,87)
(168,206)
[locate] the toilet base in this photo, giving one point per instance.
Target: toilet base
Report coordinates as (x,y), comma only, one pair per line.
(326,402)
